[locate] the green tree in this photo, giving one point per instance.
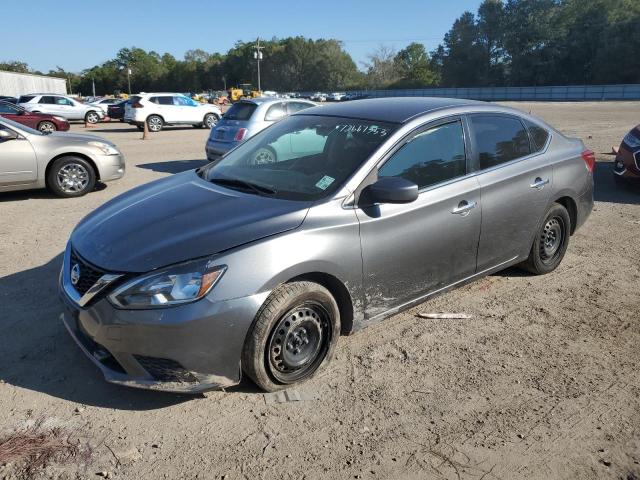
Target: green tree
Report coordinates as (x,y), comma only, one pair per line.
(414,68)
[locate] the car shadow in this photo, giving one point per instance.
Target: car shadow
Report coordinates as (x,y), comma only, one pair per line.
(128,129)
(42,193)
(38,354)
(173,166)
(607,190)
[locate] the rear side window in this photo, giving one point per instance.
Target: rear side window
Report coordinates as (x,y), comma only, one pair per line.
(499,139)
(25,98)
(240,111)
(47,100)
(433,156)
(538,135)
(294,107)
(162,100)
(275,112)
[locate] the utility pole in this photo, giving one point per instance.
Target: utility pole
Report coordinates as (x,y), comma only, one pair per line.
(258,56)
(129,79)
(93,85)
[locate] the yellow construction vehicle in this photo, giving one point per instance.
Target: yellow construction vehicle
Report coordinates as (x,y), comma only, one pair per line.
(244,90)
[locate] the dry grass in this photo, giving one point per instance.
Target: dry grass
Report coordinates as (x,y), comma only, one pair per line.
(36,446)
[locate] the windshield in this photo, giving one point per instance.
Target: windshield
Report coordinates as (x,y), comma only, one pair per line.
(18,126)
(304,157)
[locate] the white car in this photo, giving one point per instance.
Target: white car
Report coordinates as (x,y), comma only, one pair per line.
(103,103)
(336,96)
(62,106)
(161,109)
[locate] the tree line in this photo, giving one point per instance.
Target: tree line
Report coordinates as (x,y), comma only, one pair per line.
(505,43)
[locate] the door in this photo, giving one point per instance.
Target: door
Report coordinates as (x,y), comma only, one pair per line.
(186,110)
(17,160)
(165,108)
(75,110)
(410,250)
(515,187)
(48,104)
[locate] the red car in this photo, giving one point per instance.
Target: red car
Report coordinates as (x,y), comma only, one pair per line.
(627,164)
(40,121)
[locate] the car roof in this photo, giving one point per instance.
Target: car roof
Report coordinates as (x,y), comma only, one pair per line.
(263,100)
(389,109)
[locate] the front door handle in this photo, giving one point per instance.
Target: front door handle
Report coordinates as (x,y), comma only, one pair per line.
(464,208)
(539,184)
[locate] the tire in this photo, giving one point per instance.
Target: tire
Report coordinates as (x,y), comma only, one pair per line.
(551,241)
(264,155)
(292,337)
(47,127)
(155,123)
(210,120)
(62,182)
(92,117)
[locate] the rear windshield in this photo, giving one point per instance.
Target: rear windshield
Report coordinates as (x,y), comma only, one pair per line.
(240,111)
(134,99)
(25,98)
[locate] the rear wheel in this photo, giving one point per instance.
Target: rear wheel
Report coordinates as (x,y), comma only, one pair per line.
(210,120)
(71,177)
(155,123)
(47,127)
(264,155)
(293,335)
(92,117)
(551,241)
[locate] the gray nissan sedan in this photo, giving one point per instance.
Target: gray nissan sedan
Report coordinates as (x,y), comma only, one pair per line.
(364,209)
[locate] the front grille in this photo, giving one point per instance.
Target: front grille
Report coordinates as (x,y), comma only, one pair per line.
(89,275)
(165,370)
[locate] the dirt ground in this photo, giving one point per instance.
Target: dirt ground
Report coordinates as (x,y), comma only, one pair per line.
(541,383)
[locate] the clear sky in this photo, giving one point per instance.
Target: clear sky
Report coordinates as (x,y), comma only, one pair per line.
(77,34)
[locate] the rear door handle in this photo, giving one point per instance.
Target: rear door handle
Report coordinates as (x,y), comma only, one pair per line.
(539,184)
(464,208)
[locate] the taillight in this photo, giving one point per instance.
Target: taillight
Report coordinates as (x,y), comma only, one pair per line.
(240,134)
(590,159)
(136,105)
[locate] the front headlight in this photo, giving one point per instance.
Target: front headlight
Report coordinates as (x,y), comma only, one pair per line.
(105,148)
(631,140)
(183,283)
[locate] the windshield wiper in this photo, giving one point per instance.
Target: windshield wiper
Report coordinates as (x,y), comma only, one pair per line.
(244,185)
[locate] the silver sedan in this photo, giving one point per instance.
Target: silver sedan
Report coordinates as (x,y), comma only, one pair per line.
(67,164)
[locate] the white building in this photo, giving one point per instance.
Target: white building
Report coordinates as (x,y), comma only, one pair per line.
(15,84)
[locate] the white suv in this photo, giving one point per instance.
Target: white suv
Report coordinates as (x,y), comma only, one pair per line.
(62,106)
(160,109)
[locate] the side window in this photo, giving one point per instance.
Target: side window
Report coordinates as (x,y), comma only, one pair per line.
(25,98)
(539,136)
(275,112)
(154,100)
(293,107)
(165,100)
(432,156)
(181,101)
(499,139)
(47,100)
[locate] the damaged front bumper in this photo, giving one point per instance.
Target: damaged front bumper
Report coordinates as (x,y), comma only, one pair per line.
(188,349)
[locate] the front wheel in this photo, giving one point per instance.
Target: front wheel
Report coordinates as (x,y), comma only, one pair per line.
(71,177)
(551,241)
(92,117)
(47,127)
(293,335)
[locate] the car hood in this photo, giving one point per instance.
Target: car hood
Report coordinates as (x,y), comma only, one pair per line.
(177,219)
(67,138)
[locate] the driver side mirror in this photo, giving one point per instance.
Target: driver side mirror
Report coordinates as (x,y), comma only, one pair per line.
(389,190)
(8,135)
